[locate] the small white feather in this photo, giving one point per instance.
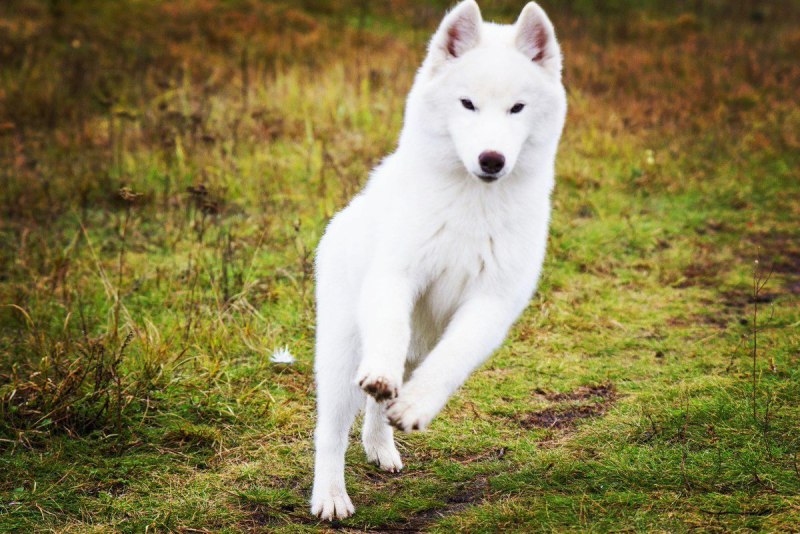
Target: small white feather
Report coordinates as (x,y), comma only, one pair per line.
(282,355)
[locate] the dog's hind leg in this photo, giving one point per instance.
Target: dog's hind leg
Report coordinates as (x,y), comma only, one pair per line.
(338,402)
(377,436)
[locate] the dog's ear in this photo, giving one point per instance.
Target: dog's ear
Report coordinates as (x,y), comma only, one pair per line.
(459,32)
(536,38)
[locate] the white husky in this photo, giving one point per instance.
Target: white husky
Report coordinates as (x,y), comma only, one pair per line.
(421,276)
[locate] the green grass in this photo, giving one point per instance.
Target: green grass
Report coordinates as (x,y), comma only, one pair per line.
(136,324)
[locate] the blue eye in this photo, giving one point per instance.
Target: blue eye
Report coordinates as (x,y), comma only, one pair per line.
(467,103)
(516,108)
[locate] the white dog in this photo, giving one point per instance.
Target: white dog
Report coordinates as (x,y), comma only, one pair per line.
(420,277)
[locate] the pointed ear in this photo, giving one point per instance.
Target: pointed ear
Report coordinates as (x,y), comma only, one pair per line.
(536,38)
(459,32)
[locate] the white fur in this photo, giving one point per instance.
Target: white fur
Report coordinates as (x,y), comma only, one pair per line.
(420,277)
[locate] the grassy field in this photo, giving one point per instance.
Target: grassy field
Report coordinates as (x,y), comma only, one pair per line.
(168,166)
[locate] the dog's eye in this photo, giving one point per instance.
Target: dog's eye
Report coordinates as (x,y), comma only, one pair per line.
(516,108)
(467,103)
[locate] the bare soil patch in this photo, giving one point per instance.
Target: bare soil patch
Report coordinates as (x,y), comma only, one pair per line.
(582,403)
(778,252)
(468,494)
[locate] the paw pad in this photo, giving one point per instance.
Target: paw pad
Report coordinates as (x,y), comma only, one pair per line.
(380,388)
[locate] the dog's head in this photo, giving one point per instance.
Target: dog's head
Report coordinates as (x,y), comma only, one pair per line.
(490,90)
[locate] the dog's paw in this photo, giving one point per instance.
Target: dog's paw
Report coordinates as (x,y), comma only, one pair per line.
(334,503)
(384,455)
(379,386)
(409,415)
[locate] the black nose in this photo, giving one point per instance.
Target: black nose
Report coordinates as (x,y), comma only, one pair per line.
(491,162)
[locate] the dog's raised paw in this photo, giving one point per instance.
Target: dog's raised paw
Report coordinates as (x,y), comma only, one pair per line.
(407,416)
(380,387)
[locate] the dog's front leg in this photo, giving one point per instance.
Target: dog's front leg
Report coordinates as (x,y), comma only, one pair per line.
(384,317)
(476,329)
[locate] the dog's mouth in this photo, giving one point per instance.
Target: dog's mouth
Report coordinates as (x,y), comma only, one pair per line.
(489,178)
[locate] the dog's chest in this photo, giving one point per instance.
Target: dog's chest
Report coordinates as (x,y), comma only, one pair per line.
(454,258)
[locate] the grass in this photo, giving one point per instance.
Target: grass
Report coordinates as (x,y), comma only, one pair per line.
(168,168)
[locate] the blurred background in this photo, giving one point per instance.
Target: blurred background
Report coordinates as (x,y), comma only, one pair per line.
(167,168)
(189,79)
